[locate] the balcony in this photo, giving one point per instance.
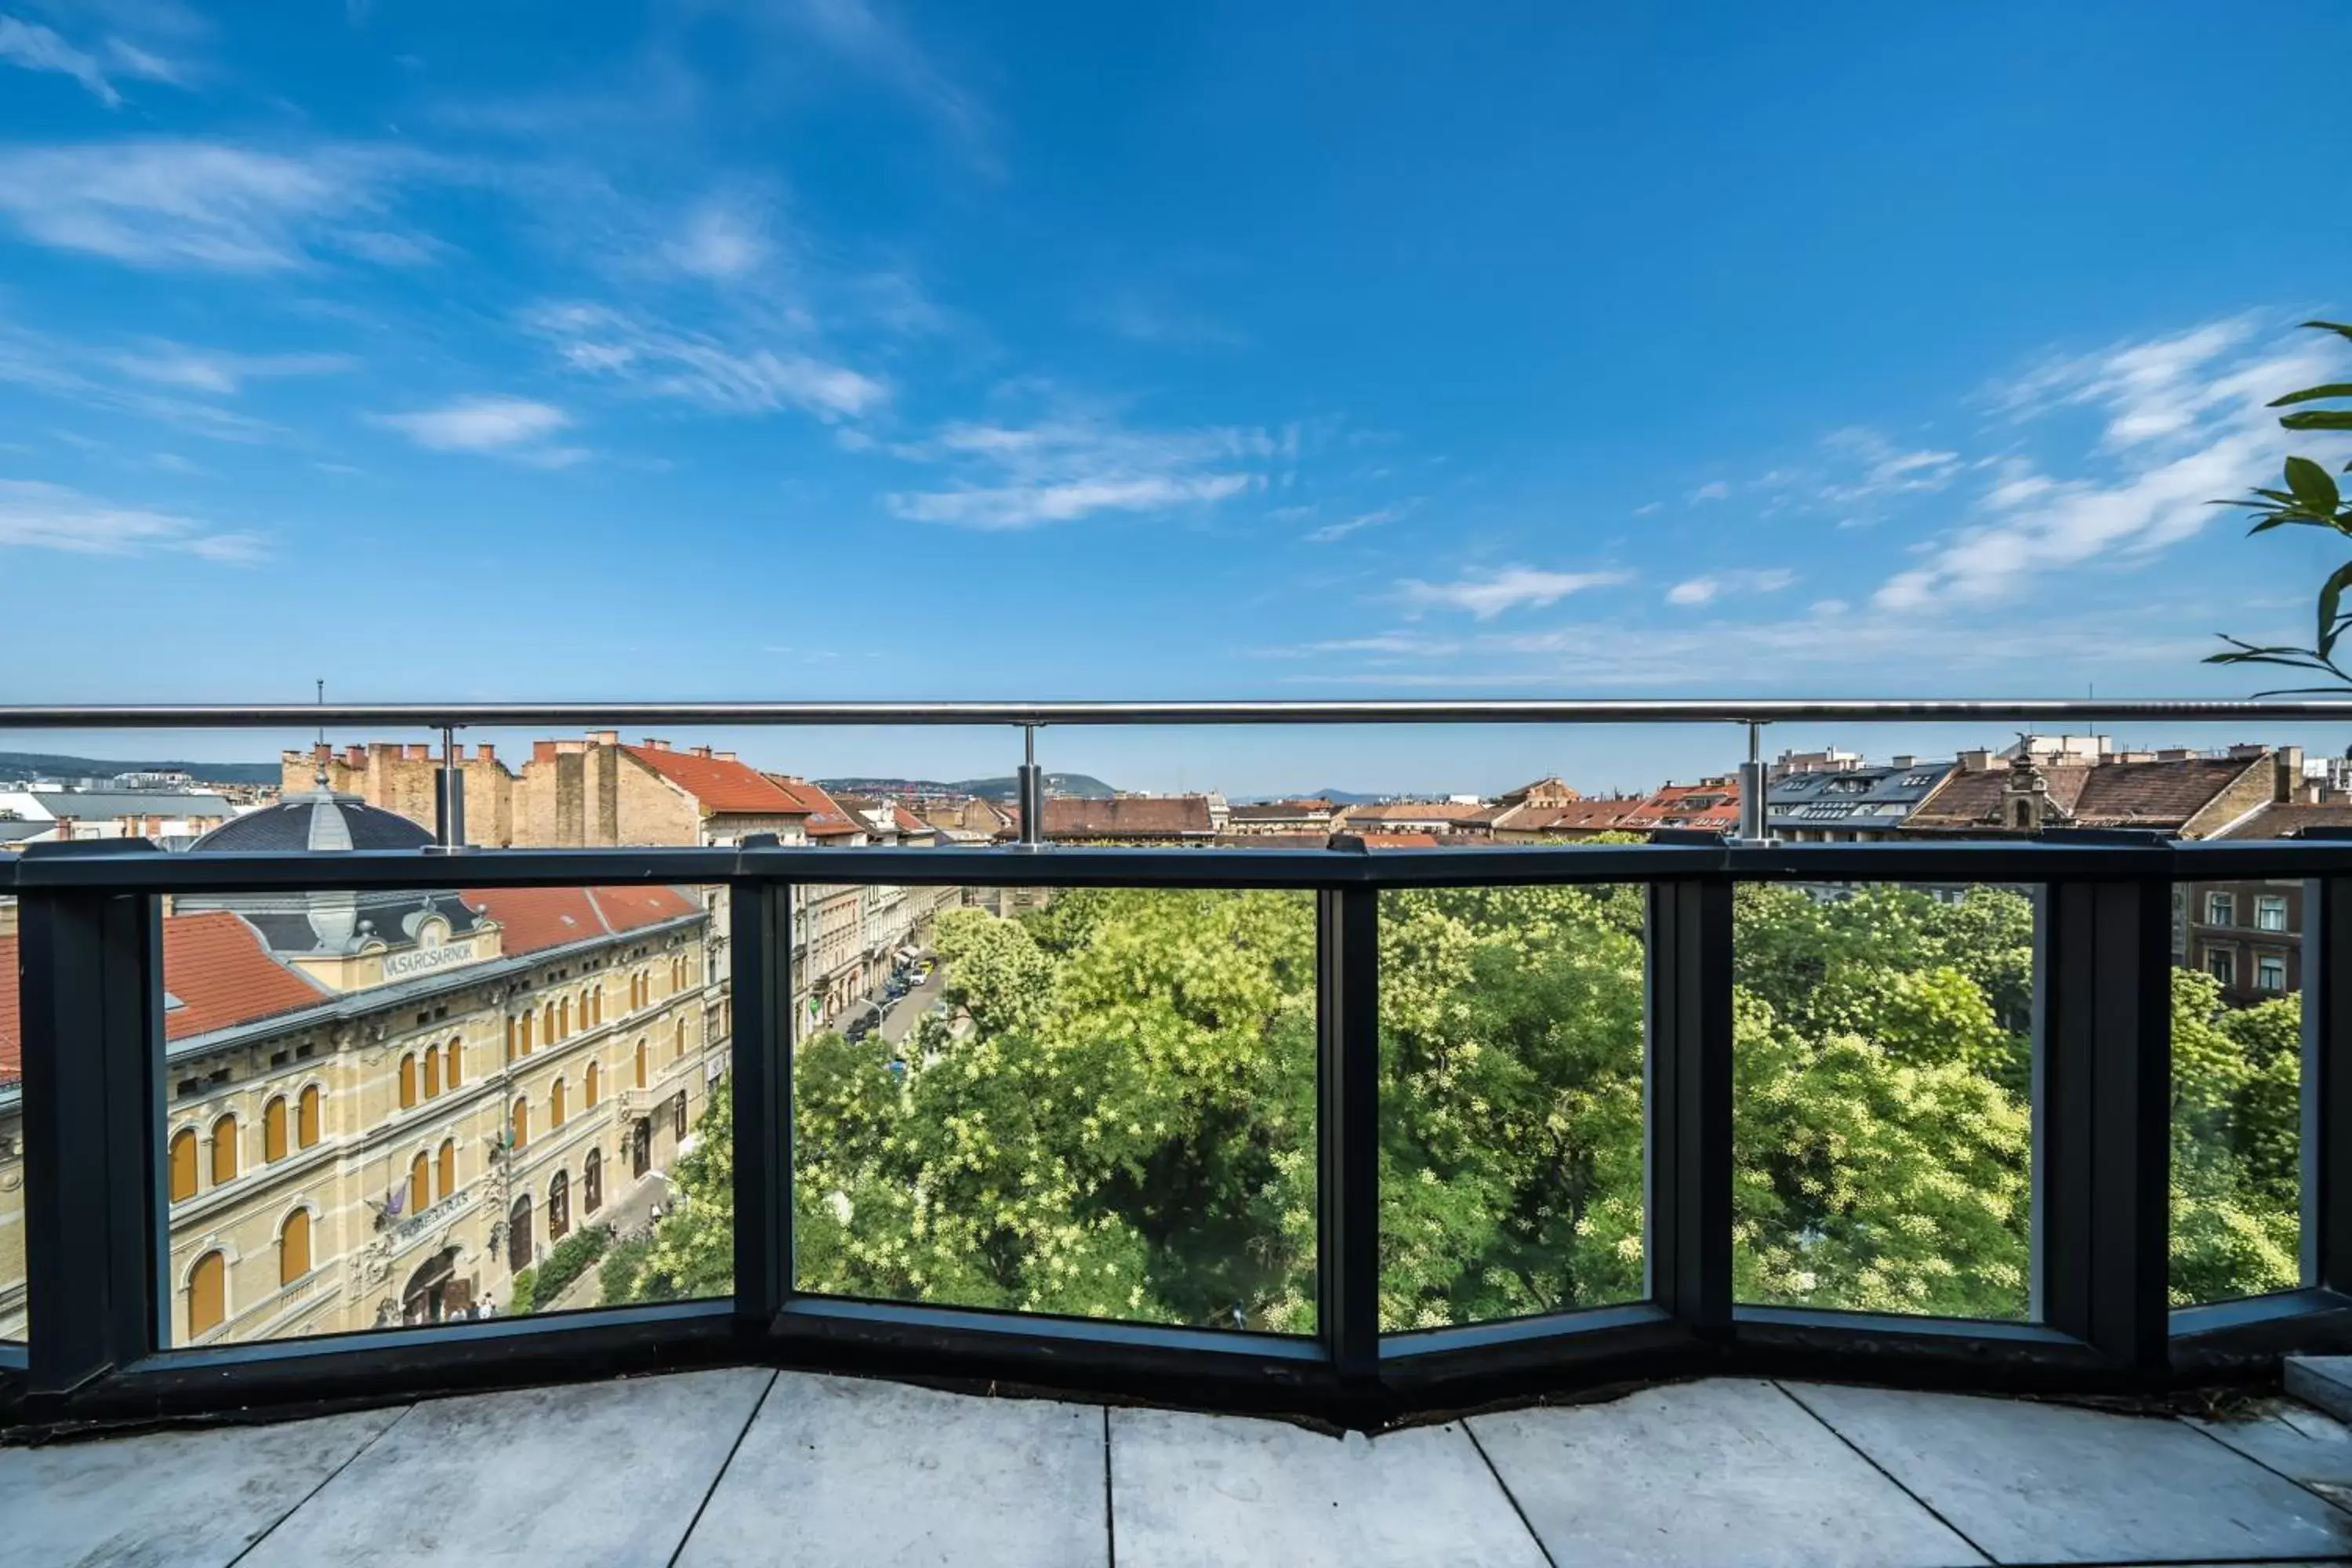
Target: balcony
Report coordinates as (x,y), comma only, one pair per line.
(1337,1019)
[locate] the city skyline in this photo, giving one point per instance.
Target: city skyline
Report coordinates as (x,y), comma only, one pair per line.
(798,350)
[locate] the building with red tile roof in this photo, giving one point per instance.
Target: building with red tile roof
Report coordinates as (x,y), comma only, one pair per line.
(1710,805)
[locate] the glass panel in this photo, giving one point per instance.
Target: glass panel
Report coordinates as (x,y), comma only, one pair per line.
(339,1147)
(1882,1125)
(12,1134)
(1097,1103)
(1511,1121)
(2236,1069)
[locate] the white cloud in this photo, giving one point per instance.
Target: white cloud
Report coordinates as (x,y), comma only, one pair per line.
(205,204)
(31,47)
(506,427)
(1067,466)
(1511,588)
(719,240)
(2184,425)
(1648,507)
(862,34)
(52,367)
(662,360)
(1885,469)
(213,370)
(1332,532)
(1707,589)
(1714,489)
(34,515)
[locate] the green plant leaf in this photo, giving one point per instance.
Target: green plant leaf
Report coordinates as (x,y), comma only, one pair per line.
(2331,620)
(2311,486)
(2333,389)
(2338,328)
(2317,419)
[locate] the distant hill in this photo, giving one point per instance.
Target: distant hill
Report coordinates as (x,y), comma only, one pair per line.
(43,765)
(999,789)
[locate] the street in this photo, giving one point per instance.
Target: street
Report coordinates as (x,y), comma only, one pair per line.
(900,1021)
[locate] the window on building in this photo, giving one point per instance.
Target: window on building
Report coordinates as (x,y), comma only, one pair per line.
(444,1169)
(677,1114)
(547,1024)
(184,1165)
(559,1208)
(452,1056)
(2270,971)
(420,1183)
(306,1116)
(432,1073)
(521,1122)
(2221,963)
(678,1040)
(273,1130)
(518,1237)
(225,1151)
(2220,910)
(2270,911)
(294,1247)
(555,1110)
(644,1062)
(510,1039)
(207,1294)
(564,1016)
(592,1086)
(592,1182)
(407,1083)
(528,1023)
(592,1002)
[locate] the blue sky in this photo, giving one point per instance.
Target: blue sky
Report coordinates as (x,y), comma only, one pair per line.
(836,349)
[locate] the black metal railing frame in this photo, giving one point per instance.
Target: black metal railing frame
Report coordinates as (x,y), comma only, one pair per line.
(96,1215)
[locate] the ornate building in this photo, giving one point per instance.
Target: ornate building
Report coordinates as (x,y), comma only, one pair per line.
(381,1106)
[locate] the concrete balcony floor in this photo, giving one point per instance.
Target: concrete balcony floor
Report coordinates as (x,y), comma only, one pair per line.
(748,1467)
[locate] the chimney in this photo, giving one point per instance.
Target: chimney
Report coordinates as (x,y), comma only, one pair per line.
(606,738)
(725,756)
(2287,776)
(1976,761)
(697,750)
(542,751)
(489,754)
(2174,754)
(1904,760)
(355,756)
(652,744)
(416,753)
(2246,751)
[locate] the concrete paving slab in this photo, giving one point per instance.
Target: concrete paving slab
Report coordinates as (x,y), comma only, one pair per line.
(2299,1442)
(2033,1482)
(169,1500)
(2322,1380)
(1215,1489)
(1724,1473)
(847,1470)
(577,1475)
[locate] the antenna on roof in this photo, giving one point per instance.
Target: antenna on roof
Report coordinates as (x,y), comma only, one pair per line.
(319,753)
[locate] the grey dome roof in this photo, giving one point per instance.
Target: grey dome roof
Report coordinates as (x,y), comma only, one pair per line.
(319,819)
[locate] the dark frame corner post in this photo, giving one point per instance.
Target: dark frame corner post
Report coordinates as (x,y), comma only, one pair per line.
(2328,1083)
(2101,1115)
(1347,1189)
(760,949)
(1687,1215)
(92,1005)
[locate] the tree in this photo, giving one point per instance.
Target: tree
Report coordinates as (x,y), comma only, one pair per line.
(2311,499)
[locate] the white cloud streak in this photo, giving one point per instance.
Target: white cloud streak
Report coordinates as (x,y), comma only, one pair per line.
(1065,469)
(37,516)
(218,371)
(504,427)
(655,359)
(1511,588)
(1706,590)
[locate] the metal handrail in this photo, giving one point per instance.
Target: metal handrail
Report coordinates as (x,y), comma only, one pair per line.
(1533,711)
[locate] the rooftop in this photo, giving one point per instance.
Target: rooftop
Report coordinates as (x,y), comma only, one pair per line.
(753,1466)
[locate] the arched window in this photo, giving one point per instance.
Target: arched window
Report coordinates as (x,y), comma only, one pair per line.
(510,1039)
(294,1247)
(591,1087)
(432,1073)
(184,1165)
(408,1082)
(547,1024)
(273,1129)
(306,1116)
(644,1062)
(420,1184)
(526,1026)
(678,1040)
(445,1168)
(555,1109)
(564,1013)
(677,973)
(592,1182)
(636,992)
(452,1055)
(519,1234)
(597,1002)
(224,1150)
(558,1207)
(677,1114)
(521,1122)
(207,1294)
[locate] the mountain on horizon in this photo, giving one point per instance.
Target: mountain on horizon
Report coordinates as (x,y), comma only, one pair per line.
(1000,789)
(49,765)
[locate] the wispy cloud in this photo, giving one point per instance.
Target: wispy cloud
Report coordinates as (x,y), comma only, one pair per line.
(1706,590)
(659,360)
(504,427)
(1714,489)
(218,371)
(2183,424)
(721,239)
(1511,588)
(29,45)
(57,368)
(1332,532)
(1065,467)
(1141,318)
(208,206)
(1884,469)
(37,516)
(866,37)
